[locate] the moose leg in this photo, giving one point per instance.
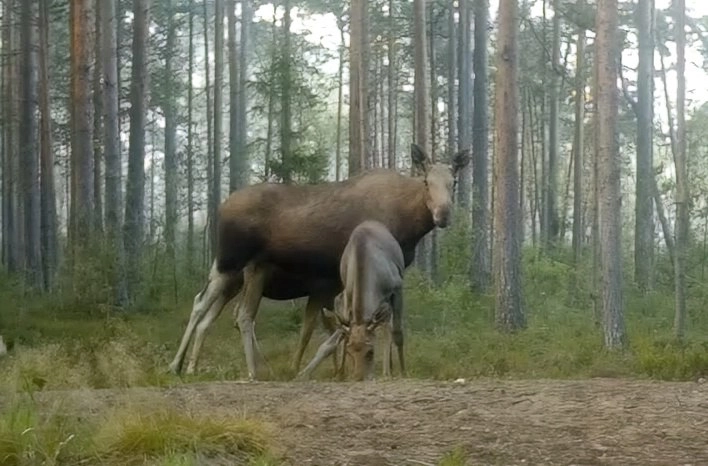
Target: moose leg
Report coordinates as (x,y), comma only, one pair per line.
(202,327)
(325,349)
(216,286)
(387,344)
(312,310)
(330,324)
(397,324)
(254,278)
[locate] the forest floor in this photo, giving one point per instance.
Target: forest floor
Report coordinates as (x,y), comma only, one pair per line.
(413,422)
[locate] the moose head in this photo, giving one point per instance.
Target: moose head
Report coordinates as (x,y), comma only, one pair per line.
(440,180)
(359,337)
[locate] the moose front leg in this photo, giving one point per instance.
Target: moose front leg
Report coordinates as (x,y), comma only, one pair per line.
(325,349)
(397,324)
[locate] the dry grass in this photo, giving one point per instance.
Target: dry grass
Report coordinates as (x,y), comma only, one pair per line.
(130,437)
(135,433)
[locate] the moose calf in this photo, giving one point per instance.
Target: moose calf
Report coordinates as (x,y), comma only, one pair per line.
(371,269)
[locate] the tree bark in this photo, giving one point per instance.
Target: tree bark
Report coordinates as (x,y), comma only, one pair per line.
(609,189)
(48,227)
(340,99)
(285,125)
(392,86)
(218,112)
(171,181)
(507,258)
(421,101)
(553,129)
(358,87)
(235,165)
(134,228)
(682,191)
(82,122)
(480,273)
(242,101)
(111,144)
(211,203)
(464,103)
(579,147)
(451,76)
(644,211)
(190,144)
(29,154)
(97,126)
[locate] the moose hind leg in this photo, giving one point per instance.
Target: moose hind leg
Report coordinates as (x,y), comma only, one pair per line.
(312,310)
(254,279)
(216,287)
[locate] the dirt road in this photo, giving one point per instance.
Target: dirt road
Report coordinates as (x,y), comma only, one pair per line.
(407,422)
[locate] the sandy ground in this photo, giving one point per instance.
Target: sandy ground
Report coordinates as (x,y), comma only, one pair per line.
(410,422)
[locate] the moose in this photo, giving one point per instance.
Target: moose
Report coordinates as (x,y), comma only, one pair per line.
(269,230)
(372,274)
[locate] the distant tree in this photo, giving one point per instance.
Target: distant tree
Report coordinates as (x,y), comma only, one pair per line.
(48,207)
(480,275)
(134,228)
(111,143)
(29,154)
(358,85)
(579,146)
(682,192)
(286,148)
(218,113)
(169,106)
(82,197)
(644,212)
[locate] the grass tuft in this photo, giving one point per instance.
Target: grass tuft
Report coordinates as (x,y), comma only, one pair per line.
(455,457)
(132,436)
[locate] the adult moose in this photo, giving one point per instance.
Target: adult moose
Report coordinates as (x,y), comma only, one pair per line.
(302,230)
(372,273)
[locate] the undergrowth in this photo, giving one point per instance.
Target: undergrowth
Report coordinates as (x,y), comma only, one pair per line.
(57,341)
(129,435)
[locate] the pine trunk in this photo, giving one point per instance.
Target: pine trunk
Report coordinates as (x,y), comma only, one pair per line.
(507,257)
(608,170)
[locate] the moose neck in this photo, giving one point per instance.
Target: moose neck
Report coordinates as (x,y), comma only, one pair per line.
(417,220)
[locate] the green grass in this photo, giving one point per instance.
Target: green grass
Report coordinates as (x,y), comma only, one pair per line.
(455,457)
(62,342)
(127,435)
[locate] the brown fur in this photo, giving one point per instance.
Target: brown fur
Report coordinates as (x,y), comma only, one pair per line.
(304,228)
(292,238)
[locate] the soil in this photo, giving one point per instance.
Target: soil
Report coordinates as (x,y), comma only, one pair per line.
(413,422)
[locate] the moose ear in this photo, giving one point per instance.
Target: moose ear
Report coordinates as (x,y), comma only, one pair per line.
(420,159)
(460,161)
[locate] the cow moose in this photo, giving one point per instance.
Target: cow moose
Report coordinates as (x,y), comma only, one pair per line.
(268,229)
(372,274)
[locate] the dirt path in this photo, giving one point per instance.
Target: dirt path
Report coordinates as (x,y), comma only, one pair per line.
(406,422)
